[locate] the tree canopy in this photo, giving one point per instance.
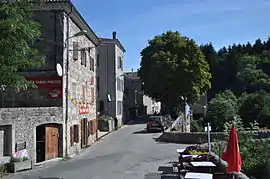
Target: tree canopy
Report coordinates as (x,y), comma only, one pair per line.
(173,66)
(18,33)
(239,68)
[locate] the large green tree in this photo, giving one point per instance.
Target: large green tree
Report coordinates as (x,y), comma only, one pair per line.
(239,68)
(256,106)
(173,66)
(18,33)
(252,75)
(221,109)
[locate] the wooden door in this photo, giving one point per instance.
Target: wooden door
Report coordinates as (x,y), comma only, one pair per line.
(82,134)
(51,145)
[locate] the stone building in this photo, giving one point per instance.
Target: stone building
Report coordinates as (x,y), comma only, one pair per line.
(110,77)
(36,119)
(135,102)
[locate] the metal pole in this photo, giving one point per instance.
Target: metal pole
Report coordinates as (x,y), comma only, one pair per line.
(209,140)
(66,87)
(185,116)
(135,101)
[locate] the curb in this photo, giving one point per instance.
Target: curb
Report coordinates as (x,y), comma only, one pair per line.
(103,136)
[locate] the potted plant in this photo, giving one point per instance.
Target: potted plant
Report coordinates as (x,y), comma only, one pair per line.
(19,164)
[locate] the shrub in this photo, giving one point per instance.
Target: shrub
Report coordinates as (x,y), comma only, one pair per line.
(196,125)
(221,109)
(104,118)
(3,170)
(256,107)
(255,154)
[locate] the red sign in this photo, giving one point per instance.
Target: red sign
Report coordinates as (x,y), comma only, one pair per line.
(83,109)
(52,84)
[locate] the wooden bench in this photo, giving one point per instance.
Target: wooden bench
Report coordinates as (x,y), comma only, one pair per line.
(193,175)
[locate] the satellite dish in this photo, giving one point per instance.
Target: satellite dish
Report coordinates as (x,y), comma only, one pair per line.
(109,98)
(59,69)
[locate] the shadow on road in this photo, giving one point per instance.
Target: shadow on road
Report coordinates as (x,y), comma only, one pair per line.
(165,169)
(164,172)
(145,132)
(141,132)
(139,120)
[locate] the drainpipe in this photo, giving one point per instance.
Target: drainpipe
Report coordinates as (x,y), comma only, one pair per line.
(67,84)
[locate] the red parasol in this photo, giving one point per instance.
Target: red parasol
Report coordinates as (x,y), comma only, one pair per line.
(232,155)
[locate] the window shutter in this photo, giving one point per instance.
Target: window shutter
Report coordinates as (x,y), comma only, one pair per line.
(71,136)
(75,51)
(92,128)
(76,133)
(83,57)
(83,92)
(89,128)
(92,94)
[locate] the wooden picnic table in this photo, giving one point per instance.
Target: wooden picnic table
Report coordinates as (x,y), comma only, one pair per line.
(180,151)
(193,175)
(202,164)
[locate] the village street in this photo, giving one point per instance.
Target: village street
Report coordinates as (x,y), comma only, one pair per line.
(129,153)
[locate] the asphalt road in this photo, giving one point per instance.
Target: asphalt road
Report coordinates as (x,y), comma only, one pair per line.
(129,153)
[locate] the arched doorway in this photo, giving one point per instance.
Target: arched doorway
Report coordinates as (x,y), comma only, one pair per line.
(48,141)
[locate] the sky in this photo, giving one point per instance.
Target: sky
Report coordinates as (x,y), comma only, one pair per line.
(222,22)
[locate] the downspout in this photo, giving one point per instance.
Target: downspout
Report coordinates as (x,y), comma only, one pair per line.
(67,79)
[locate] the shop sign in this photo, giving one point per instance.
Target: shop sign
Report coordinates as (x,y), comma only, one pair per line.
(53,85)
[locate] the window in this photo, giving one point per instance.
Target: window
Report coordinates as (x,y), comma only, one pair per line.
(101,107)
(92,93)
(119,107)
(75,51)
(73,90)
(92,64)
(120,63)
(71,136)
(89,128)
(83,57)
(120,84)
(83,91)
(74,134)
(123,85)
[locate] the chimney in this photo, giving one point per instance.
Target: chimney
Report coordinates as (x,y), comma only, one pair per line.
(114,34)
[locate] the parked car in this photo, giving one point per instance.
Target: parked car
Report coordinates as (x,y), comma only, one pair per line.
(156,123)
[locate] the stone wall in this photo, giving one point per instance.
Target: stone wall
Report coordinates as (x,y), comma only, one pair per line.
(199,137)
(24,122)
(80,85)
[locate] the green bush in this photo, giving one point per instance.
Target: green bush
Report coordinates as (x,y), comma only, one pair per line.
(196,125)
(221,109)
(255,154)
(256,106)
(3,170)
(104,118)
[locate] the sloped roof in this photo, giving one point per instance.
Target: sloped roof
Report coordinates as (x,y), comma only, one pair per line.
(115,41)
(74,14)
(132,75)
